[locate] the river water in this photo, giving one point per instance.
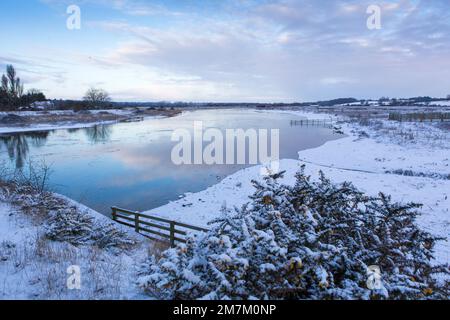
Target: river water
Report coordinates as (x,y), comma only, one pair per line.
(129,164)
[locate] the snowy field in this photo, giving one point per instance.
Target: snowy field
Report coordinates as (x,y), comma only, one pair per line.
(368,157)
(33,267)
(441,103)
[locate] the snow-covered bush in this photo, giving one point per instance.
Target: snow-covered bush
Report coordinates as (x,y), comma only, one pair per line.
(69,226)
(107,235)
(313,240)
(78,228)
(62,221)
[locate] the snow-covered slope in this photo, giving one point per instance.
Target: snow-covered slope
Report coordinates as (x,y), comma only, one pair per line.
(33,267)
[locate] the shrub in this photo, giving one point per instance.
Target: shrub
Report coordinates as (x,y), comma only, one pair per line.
(315,240)
(70,225)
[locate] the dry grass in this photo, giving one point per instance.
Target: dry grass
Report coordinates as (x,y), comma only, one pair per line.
(404,133)
(85,117)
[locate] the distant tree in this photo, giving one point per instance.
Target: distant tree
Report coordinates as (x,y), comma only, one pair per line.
(96,97)
(33,95)
(34,92)
(11,90)
(36,95)
(15,84)
(4,98)
(4,87)
(448,97)
(337,101)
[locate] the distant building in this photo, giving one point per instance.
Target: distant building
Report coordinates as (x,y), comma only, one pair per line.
(40,105)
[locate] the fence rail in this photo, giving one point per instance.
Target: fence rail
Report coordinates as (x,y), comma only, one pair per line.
(312,122)
(154,228)
(420,117)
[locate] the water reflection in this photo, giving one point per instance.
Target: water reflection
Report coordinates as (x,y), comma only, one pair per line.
(99,133)
(38,138)
(73,130)
(17,145)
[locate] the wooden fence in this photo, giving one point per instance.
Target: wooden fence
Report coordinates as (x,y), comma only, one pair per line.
(312,123)
(154,228)
(420,117)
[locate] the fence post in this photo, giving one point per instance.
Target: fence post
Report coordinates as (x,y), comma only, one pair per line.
(114,214)
(172,234)
(136,222)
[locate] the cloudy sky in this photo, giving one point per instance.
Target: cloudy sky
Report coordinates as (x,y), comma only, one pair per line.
(237,50)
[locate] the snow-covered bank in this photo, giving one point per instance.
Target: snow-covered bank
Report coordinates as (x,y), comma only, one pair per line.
(359,158)
(60,119)
(54,119)
(119,112)
(32,266)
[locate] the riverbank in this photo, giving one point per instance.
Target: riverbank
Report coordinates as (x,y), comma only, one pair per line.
(45,238)
(408,161)
(25,121)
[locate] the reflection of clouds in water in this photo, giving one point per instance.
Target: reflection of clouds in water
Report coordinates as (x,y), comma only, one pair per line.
(144,164)
(135,159)
(147,175)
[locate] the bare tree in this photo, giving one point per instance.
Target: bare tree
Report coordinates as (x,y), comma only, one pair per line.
(96,97)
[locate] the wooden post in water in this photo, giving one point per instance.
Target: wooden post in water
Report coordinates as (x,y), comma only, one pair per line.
(114,214)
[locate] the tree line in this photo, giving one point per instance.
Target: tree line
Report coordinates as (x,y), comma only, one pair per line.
(12,91)
(13,96)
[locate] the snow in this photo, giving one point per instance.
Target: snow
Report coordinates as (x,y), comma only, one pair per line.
(363,161)
(33,267)
(367,160)
(441,103)
(64,112)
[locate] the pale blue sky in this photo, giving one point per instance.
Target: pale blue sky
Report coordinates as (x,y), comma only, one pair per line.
(237,50)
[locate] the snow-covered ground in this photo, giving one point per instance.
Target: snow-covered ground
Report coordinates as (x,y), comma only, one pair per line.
(366,157)
(441,103)
(33,267)
(119,112)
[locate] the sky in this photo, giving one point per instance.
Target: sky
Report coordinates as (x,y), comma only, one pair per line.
(229,50)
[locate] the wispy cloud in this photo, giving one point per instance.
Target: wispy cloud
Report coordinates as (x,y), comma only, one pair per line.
(262,50)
